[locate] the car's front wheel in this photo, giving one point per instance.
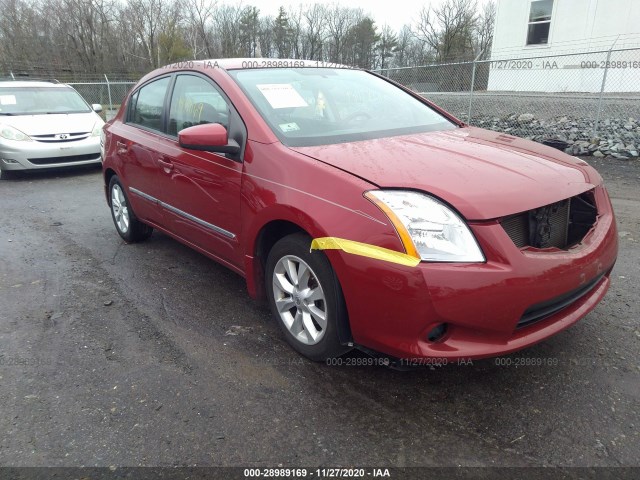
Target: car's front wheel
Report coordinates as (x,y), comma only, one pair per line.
(7,175)
(127,224)
(306,298)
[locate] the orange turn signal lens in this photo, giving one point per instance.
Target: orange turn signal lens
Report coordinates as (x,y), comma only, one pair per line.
(403,233)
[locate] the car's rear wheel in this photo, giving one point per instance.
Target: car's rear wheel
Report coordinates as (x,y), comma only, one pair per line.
(127,224)
(306,298)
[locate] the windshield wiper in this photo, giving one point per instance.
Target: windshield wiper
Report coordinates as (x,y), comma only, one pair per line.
(67,112)
(7,114)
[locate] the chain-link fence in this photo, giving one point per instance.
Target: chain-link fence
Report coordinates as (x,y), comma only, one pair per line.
(586,103)
(109,94)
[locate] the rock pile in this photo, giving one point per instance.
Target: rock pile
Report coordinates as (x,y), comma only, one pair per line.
(616,137)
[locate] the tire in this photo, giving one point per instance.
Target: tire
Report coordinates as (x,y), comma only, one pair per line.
(127,224)
(300,304)
(7,175)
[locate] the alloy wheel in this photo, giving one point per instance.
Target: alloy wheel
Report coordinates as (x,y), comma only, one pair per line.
(120,208)
(300,300)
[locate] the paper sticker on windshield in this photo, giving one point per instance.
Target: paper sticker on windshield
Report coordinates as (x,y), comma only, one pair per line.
(282,95)
(289,127)
(7,99)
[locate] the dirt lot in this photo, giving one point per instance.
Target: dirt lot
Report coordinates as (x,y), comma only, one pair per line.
(150,354)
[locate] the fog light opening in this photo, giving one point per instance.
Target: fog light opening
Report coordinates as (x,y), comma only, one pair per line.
(437,332)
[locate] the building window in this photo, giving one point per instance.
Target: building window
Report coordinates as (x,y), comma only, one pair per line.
(539,22)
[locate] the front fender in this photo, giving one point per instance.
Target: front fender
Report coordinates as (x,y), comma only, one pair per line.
(282,185)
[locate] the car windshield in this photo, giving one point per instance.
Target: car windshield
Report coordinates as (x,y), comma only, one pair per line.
(321,106)
(40,100)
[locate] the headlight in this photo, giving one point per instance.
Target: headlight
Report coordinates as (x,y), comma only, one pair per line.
(428,228)
(103,140)
(97,128)
(11,133)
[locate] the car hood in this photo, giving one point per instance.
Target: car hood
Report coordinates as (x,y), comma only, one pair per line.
(483,174)
(52,123)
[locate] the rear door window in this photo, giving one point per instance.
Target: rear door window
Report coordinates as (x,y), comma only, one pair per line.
(147,104)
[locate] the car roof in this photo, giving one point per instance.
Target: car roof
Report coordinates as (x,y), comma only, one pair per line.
(226,64)
(252,63)
(32,83)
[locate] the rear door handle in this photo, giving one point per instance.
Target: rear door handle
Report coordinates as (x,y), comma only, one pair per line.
(166,164)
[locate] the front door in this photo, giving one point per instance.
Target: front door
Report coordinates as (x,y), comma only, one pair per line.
(201,190)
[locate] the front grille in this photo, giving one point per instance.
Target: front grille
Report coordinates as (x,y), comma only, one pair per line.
(59,138)
(67,159)
(517,227)
(560,225)
(543,310)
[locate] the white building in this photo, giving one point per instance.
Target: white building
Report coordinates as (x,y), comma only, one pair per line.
(540,45)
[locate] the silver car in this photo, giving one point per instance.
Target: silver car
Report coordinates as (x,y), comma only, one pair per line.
(46,125)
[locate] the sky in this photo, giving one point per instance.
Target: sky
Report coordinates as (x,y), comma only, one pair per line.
(393,13)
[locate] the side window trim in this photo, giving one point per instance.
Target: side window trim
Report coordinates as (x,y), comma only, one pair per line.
(131,105)
(167,104)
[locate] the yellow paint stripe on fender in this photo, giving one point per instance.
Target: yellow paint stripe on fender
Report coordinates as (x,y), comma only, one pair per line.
(364,250)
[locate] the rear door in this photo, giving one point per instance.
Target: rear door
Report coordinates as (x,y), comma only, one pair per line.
(137,142)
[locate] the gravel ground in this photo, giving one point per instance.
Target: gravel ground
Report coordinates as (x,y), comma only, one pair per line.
(153,355)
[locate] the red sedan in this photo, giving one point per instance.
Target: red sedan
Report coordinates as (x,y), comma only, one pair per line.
(363,213)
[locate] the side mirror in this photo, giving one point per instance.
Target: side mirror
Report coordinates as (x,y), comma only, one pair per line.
(96,107)
(210,137)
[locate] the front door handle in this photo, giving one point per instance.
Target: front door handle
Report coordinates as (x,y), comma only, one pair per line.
(166,164)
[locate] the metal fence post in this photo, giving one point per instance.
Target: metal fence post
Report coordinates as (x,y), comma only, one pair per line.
(12,77)
(109,92)
(602,87)
(473,82)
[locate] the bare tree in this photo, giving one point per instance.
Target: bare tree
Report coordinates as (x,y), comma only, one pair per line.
(265,38)
(87,25)
(315,18)
(97,36)
(296,28)
(484,30)
(145,20)
(16,23)
(199,17)
(227,30)
(340,21)
(448,29)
